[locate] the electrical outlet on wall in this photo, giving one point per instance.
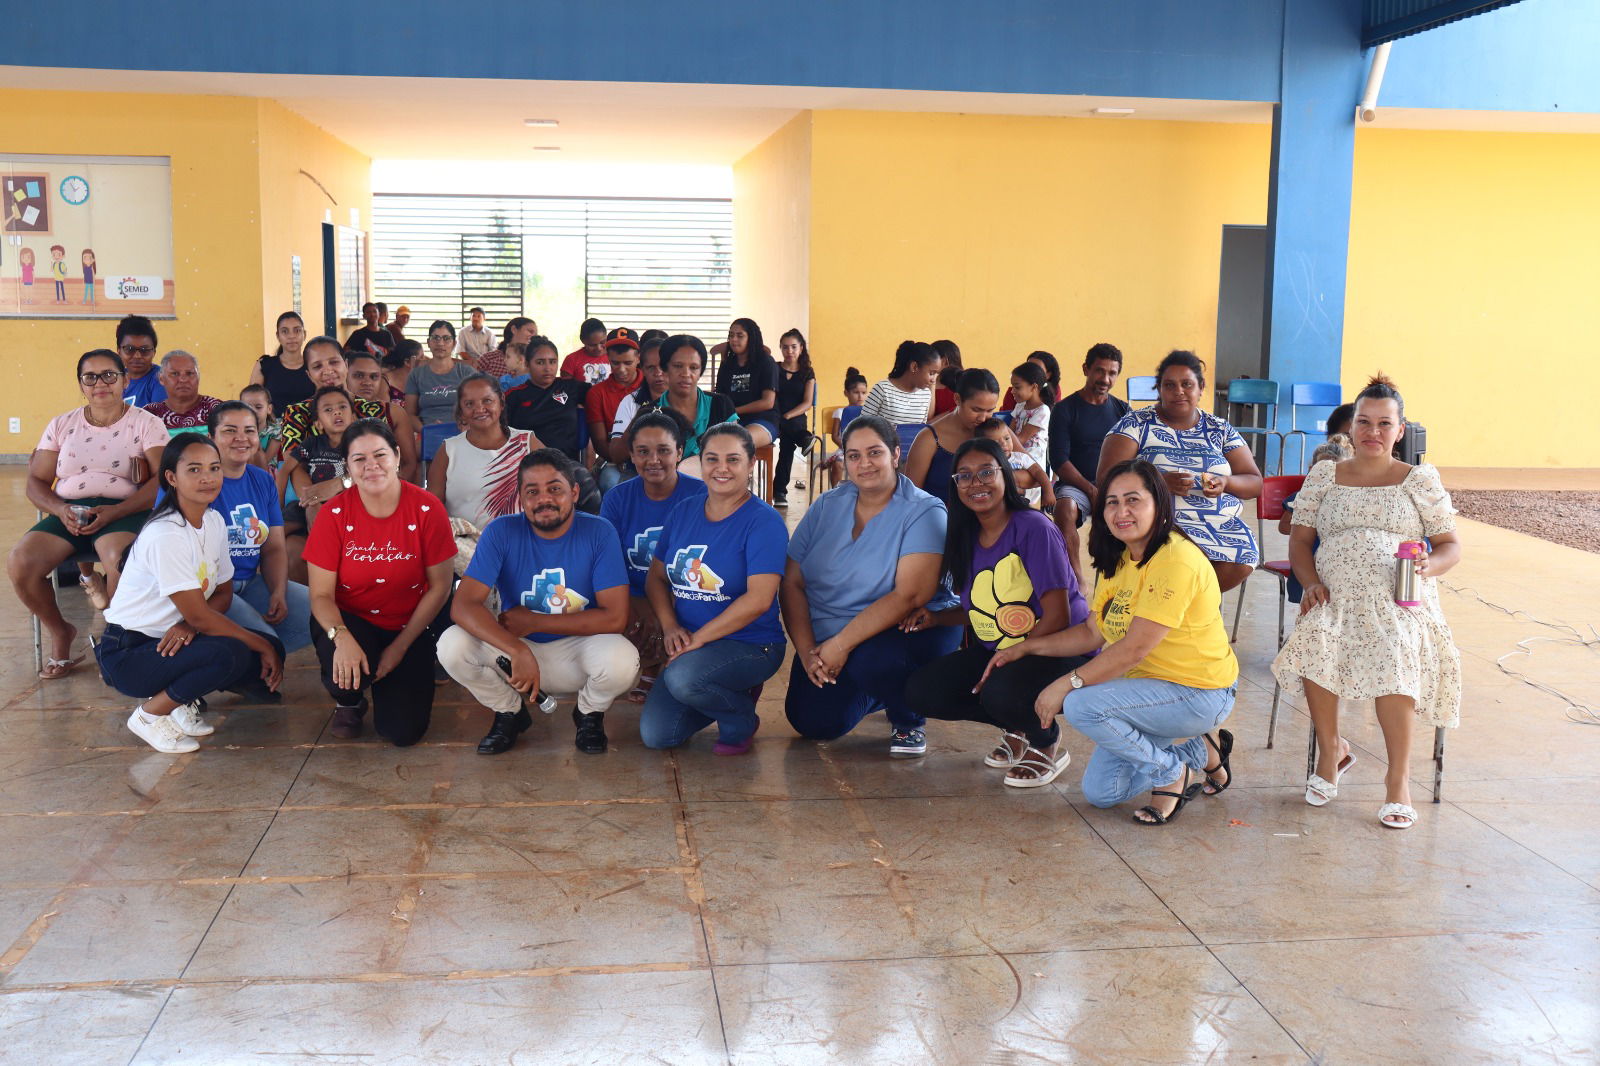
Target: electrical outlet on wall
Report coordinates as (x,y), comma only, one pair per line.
(16,425)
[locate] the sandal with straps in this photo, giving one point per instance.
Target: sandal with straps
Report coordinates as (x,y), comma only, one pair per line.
(1403,811)
(1186,793)
(1005,755)
(1320,791)
(1043,767)
(1224,746)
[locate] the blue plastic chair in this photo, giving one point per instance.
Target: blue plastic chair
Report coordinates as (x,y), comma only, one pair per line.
(1256,393)
(908,433)
(1143,390)
(1308,394)
(434,436)
(847,415)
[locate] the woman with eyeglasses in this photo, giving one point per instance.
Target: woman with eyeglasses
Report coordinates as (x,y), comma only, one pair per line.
(434,380)
(90,476)
(1009,562)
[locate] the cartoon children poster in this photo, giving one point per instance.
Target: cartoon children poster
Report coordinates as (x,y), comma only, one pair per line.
(98,228)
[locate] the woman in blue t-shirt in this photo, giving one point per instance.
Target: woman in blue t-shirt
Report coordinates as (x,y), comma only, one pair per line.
(1010,564)
(714,587)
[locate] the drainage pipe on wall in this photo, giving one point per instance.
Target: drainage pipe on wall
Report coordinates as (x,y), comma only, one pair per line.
(1368,108)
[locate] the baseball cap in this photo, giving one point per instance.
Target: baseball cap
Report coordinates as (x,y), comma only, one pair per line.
(402,310)
(622,337)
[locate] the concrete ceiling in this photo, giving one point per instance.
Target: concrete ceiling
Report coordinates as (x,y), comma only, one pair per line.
(481,119)
(601,122)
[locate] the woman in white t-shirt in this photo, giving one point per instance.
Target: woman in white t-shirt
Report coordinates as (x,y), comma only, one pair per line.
(90,476)
(168,641)
(906,399)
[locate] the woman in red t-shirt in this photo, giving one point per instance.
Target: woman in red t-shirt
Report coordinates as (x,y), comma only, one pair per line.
(379,559)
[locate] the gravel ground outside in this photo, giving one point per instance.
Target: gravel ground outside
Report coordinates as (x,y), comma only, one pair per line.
(1570,518)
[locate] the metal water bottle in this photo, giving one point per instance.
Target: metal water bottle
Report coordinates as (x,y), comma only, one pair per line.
(1406,590)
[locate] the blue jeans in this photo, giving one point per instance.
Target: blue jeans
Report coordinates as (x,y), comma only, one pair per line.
(1133,723)
(873,679)
(709,684)
(251,599)
(609,475)
(131,664)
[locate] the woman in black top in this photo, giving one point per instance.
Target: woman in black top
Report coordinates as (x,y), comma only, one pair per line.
(749,377)
(797,391)
(284,374)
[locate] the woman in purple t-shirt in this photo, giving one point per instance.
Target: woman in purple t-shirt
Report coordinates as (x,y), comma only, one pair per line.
(1010,564)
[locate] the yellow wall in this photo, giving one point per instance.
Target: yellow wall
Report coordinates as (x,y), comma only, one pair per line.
(1472,276)
(219,186)
(293,207)
(1007,234)
(772,230)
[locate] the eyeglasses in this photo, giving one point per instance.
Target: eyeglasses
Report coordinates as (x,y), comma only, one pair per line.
(105,377)
(147,349)
(985,475)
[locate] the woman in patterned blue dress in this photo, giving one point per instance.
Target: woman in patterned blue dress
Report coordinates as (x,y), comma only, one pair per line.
(1206,463)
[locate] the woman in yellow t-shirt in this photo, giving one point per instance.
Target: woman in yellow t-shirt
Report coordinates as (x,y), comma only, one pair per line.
(1166,670)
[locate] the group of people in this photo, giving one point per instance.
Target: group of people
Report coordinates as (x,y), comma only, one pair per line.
(529,525)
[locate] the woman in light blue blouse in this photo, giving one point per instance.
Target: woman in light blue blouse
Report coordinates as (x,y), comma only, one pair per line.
(714,587)
(1205,462)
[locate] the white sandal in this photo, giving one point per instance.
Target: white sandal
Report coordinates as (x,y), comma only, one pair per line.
(1045,770)
(1397,810)
(1004,756)
(1319,790)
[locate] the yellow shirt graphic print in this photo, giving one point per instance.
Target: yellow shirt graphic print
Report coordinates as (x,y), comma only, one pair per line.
(1000,614)
(204,573)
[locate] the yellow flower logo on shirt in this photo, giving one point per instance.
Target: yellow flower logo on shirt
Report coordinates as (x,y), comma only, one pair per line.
(1000,614)
(204,572)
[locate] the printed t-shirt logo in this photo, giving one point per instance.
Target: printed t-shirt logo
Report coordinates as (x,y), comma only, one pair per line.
(1000,613)
(245,529)
(689,572)
(549,593)
(643,551)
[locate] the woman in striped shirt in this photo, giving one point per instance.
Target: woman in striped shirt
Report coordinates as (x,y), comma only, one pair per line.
(907,397)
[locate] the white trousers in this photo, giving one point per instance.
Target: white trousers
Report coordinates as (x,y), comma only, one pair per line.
(598,668)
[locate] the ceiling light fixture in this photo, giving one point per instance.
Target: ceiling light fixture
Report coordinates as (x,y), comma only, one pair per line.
(1114,112)
(542,123)
(547,148)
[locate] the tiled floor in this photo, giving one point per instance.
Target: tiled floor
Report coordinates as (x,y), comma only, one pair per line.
(281,897)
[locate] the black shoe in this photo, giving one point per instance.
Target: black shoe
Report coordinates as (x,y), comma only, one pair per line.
(504,732)
(591,738)
(780,501)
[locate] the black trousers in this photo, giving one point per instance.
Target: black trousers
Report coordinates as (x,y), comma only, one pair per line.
(943,689)
(402,702)
(792,434)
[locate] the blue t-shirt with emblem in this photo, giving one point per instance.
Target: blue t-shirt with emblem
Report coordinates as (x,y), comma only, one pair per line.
(249,508)
(638,519)
(709,563)
(561,575)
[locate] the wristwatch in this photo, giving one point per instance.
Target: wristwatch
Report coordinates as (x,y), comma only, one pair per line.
(334,631)
(1077,682)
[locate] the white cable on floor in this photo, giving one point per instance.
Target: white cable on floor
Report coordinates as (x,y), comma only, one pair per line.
(1580,713)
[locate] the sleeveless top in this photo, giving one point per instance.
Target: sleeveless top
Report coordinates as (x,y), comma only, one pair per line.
(286,385)
(481,483)
(940,467)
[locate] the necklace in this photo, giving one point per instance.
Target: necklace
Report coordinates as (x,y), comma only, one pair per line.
(88,416)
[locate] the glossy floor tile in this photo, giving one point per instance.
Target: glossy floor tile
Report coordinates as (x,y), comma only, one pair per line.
(281,896)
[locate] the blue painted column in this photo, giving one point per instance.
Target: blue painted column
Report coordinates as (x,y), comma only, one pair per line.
(1308,199)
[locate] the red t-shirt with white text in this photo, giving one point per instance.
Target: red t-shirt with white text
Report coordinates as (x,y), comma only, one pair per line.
(381,564)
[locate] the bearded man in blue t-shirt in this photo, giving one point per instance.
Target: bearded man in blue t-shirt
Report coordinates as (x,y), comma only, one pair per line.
(564,605)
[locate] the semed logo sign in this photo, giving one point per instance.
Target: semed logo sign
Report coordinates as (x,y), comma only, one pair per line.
(132,288)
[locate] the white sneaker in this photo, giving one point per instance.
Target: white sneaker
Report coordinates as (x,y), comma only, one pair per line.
(161,733)
(187,718)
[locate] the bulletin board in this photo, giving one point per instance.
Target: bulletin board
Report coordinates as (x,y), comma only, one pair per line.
(85,236)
